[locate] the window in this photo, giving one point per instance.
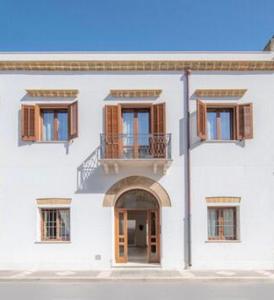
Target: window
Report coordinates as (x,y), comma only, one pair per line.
(49,122)
(222,224)
(55,125)
(55,224)
(135,131)
(224,121)
(220,125)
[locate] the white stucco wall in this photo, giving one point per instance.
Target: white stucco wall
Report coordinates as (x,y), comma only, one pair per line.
(38,170)
(239,169)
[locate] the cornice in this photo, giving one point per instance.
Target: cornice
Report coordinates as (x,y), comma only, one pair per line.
(135,93)
(220,92)
(52,93)
(133,65)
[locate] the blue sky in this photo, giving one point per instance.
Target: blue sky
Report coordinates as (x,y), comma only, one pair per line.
(83,25)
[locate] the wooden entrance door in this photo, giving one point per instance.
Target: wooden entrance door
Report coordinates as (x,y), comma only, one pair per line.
(153,250)
(121,235)
(121,240)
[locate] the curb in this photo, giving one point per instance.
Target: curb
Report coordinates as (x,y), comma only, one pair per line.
(110,279)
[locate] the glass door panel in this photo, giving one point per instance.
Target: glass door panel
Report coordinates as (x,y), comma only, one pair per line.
(153,236)
(121,244)
(143,134)
(128,134)
(136,130)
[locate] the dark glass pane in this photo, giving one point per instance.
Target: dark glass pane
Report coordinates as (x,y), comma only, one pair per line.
(128,134)
(64,218)
(62,125)
(128,128)
(121,224)
(212,125)
(48,126)
(226,128)
(143,130)
(229,223)
(153,249)
(153,224)
(213,229)
(50,224)
(121,250)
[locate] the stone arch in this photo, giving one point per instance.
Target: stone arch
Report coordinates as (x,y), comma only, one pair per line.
(136,182)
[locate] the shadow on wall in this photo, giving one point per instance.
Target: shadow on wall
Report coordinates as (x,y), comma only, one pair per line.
(20,142)
(195,141)
(45,100)
(90,176)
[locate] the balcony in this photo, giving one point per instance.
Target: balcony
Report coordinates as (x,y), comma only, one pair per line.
(142,150)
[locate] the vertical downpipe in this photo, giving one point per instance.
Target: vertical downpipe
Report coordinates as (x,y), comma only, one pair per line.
(188,170)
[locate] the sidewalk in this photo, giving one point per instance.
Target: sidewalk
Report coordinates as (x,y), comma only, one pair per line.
(134,274)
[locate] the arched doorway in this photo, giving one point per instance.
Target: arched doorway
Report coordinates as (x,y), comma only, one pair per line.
(137,227)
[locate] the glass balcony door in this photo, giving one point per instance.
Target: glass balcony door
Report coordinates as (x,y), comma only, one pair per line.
(136,133)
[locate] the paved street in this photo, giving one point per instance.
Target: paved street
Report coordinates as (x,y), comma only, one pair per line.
(188,289)
(119,274)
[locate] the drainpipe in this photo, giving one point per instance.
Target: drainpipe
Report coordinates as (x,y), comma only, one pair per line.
(188,170)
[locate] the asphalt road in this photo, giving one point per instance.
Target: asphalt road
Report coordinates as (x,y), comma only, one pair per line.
(188,289)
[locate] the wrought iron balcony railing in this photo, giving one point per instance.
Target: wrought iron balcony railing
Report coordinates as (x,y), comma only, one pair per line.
(141,146)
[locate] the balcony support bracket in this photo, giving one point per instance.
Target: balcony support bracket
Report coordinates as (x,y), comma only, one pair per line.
(113,166)
(155,167)
(106,168)
(165,167)
(116,168)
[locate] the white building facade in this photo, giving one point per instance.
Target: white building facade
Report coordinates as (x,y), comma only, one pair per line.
(114,159)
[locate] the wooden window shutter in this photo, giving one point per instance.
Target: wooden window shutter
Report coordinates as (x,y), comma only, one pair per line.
(158,129)
(113,130)
(201,120)
(244,121)
(28,123)
(158,118)
(73,120)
